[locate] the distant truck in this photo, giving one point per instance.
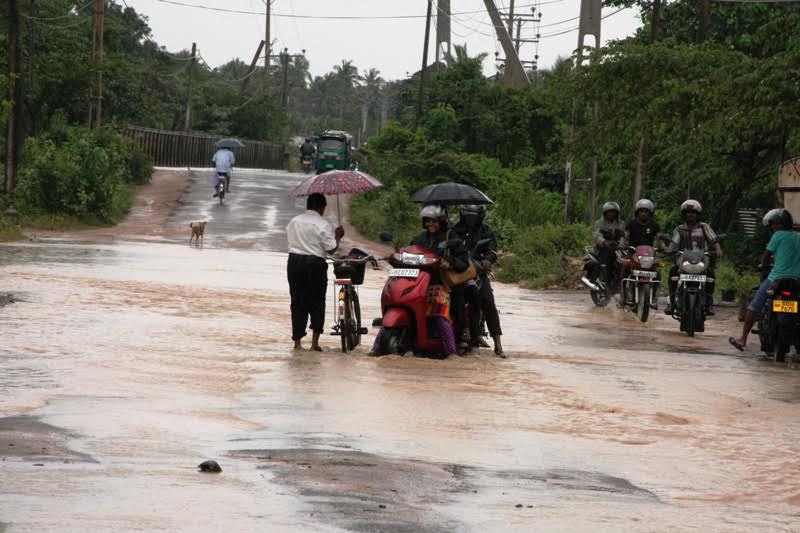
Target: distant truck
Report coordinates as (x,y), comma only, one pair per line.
(334,151)
(789,188)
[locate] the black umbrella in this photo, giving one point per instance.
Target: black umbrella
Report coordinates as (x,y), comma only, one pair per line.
(229,143)
(450,194)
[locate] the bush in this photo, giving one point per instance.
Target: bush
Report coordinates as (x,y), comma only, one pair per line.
(541,256)
(81,173)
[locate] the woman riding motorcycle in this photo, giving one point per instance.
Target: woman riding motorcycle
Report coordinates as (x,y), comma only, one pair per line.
(434,238)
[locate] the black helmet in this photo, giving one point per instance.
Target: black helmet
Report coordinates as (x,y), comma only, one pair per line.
(473,210)
(779,216)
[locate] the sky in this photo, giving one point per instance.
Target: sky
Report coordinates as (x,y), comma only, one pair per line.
(393,46)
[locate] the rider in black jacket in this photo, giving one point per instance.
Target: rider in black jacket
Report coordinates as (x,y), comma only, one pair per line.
(479,293)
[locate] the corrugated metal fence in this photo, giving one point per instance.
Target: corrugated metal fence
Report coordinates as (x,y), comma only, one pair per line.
(179,149)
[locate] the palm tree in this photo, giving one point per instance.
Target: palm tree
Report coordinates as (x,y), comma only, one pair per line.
(371,88)
(347,78)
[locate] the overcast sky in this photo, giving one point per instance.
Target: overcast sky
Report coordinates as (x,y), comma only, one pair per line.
(393,46)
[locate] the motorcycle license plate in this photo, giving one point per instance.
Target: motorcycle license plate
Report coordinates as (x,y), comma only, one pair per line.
(784,306)
(644,274)
(693,277)
(404,273)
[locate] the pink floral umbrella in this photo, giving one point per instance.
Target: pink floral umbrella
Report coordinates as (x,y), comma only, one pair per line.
(337,182)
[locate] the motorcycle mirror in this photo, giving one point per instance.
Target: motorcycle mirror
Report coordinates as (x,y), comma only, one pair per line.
(385,236)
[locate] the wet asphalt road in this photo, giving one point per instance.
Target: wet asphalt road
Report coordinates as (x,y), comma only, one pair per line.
(253,214)
(125,364)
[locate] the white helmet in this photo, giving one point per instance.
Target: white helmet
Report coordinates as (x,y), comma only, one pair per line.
(610,206)
(644,203)
(691,205)
(435,212)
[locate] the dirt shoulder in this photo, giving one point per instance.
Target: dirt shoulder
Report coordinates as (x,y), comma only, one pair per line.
(153,205)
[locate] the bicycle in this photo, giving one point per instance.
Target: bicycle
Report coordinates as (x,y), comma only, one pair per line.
(224,185)
(349,272)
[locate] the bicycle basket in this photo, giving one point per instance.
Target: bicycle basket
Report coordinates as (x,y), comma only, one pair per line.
(353,271)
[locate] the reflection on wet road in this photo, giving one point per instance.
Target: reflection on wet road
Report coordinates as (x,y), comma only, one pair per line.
(127,364)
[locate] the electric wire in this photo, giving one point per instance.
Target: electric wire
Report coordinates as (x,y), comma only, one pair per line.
(72,12)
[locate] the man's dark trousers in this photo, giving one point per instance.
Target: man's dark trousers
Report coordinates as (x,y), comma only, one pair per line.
(308,282)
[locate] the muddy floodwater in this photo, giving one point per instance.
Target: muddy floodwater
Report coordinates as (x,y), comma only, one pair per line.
(128,358)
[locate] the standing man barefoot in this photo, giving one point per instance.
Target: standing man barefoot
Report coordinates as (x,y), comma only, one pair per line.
(311,239)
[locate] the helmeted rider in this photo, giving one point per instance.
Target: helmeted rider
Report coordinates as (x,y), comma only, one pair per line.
(608,230)
(308,148)
(693,234)
(472,229)
(434,238)
(642,230)
(785,246)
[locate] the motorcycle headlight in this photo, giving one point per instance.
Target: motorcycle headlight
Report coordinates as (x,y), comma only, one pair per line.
(411,259)
(646,261)
(693,268)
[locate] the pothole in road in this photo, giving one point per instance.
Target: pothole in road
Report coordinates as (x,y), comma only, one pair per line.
(368,492)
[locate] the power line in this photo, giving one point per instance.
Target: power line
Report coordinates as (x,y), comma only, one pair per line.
(576,28)
(321,17)
(72,12)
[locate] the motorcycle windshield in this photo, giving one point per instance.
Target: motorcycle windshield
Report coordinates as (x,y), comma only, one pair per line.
(693,256)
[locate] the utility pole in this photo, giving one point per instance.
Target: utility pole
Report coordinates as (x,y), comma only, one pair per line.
(511,17)
(268,45)
(518,39)
(424,62)
(443,30)
(96,92)
(189,90)
(253,64)
(285,83)
(14,96)
(515,73)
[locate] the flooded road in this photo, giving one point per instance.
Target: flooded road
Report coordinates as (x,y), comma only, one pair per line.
(126,362)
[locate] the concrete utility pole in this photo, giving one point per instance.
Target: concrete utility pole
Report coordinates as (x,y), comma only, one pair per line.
(443,30)
(511,17)
(14,96)
(188,118)
(99,14)
(268,41)
(253,64)
(515,75)
(424,62)
(285,82)
(590,21)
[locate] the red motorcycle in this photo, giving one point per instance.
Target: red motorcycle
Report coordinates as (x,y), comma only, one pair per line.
(641,279)
(404,303)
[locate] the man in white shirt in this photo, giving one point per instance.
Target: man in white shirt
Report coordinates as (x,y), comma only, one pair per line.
(311,239)
(223,166)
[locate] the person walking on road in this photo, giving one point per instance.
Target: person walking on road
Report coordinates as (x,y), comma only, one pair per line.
(311,239)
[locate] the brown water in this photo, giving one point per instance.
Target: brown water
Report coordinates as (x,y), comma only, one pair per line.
(130,363)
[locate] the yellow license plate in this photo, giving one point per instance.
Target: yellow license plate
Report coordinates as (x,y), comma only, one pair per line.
(784,306)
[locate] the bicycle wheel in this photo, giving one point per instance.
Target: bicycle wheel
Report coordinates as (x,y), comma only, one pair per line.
(345,320)
(356,314)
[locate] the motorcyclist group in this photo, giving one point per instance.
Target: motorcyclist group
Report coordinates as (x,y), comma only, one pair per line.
(642,230)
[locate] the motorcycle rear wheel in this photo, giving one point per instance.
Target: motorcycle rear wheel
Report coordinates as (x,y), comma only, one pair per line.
(786,325)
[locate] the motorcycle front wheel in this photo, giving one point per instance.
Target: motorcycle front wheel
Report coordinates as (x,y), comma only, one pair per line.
(643,310)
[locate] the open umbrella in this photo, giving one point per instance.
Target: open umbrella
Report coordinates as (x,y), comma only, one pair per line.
(337,182)
(450,193)
(229,143)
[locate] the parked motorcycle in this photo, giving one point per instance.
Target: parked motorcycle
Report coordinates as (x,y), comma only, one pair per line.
(600,282)
(640,285)
(404,302)
(779,324)
(692,278)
